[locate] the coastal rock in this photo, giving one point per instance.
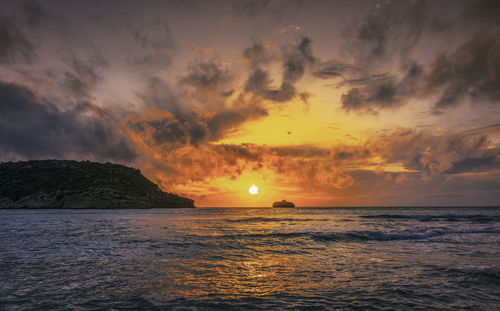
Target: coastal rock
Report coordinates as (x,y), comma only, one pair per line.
(85,184)
(283,203)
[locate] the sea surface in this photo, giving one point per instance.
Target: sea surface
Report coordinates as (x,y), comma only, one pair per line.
(251,259)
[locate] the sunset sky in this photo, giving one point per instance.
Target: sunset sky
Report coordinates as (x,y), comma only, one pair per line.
(323,103)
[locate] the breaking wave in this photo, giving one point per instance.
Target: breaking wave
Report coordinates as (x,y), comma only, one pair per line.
(443,217)
(377,236)
(357,236)
(391,236)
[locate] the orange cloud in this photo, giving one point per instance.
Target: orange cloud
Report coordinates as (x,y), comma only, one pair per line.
(331,172)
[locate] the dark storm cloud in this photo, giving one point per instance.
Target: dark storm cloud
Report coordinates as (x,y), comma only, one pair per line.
(14,46)
(368,94)
(206,76)
(32,128)
(176,130)
(204,86)
(207,85)
(259,84)
(231,118)
(472,71)
(174,123)
(387,32)
(186,129)
(296,59)
(432,154)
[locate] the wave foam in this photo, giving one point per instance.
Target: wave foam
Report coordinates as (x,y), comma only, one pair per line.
(443,217)
(377,235)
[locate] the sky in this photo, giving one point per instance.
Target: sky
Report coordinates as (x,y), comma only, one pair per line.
(322,103)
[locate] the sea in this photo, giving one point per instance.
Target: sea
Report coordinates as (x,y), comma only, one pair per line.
(251,259)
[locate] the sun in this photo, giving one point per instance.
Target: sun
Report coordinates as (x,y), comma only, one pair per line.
(253,189)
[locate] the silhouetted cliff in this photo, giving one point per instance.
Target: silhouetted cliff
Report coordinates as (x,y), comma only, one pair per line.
(73,184)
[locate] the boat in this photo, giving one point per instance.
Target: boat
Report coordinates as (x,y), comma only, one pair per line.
(283,203)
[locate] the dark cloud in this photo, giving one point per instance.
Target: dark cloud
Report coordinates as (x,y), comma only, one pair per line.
(388,31)
(385,36)
(171,130)
(372,93)
(210,84)
(34,13)
(336,69)
(257,54)
(234,152)
(392,30)
(227,93)
(300,151)
(159,95)
(483,12)
(176,130)
(204,86)
(207,75)
(250,8)
(472,71)
(14,46)
(431,154)
(224,121)
(259,84)
(174,123)
(474,165)
(83,76)
(32,128)
(351,154)
(296,59)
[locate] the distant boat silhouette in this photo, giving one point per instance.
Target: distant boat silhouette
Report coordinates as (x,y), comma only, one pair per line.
(283,203)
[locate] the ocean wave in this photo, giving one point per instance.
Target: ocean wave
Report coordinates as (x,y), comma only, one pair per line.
(488,271)
(443,217)
(352,236)
(377,236)
(357,236)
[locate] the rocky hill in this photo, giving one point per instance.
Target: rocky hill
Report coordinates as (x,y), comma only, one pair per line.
(73,184)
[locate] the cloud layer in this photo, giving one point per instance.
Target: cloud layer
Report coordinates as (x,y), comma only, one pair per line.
(401,97)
